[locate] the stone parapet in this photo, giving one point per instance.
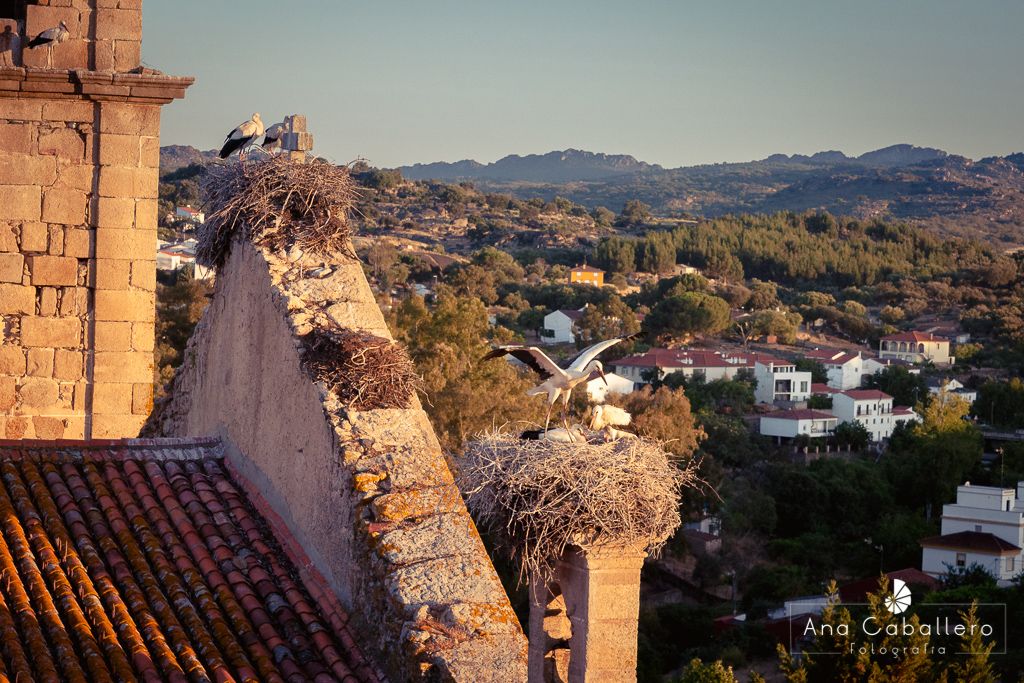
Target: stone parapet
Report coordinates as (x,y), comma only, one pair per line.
(368,494)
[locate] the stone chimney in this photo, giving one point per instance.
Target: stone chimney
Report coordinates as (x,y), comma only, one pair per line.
(79,167)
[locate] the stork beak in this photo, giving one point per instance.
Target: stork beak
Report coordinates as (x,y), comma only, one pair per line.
(603,378)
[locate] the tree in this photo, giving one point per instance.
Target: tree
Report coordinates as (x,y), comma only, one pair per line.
(852,434)
(687,314)
(606,320)
(1000,404)
(973,665)
(763,296)
(818,372)
(663,414)
(616,254)
(634,213)
(464,396)
(602,217)
(905,387)
(892,314)
(657,253)
(713,672)
(783,325)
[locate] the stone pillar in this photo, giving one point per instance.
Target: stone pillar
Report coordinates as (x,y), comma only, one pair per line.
(297,141)
(599,590)
(79,167)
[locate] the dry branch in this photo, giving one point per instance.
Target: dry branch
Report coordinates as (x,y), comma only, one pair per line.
(276,202)
(540,497)
(363,370)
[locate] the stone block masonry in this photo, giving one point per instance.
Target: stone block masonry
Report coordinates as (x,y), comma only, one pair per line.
(79,157)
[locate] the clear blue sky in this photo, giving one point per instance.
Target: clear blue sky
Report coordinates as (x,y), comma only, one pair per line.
(670,82)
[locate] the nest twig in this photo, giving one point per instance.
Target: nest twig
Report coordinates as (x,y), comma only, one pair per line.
(276,202)
(540,497)
(363,370)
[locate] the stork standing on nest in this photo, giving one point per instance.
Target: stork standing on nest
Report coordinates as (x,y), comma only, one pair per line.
(50,38)
(242,136)
(272,138)
(558,382)
(605,418)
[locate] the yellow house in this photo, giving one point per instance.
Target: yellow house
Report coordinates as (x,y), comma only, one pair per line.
(916,347)
(587,275)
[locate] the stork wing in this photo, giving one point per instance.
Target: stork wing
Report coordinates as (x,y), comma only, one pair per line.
(591,352)
(532,356)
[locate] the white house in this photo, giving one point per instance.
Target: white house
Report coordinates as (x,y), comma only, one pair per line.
(712,365)
(844,369)
(191,215)
(870,407)
(873,366)
(560,326)
(779,380)
(901,414)
(952,386)
(789,424)
(984,526)
(597,390)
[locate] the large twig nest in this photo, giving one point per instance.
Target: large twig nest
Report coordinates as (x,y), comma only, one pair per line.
(540,497)
(276,202)
(363,370)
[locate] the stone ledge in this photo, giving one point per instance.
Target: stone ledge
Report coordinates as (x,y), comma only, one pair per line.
(102,86)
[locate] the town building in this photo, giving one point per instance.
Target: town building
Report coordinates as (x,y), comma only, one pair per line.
(560,326)
(952,387)
(985,526)
(871,408)
(658,363)
(789,424)
(844,369)
(778,381)
(916,347)
(586,275)
(597,390)
(873,366)
(190,215)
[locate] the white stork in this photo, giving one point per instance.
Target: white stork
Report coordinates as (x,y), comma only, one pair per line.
(242,136)
(49,38)
(272,138)
(558,382)
(606,418)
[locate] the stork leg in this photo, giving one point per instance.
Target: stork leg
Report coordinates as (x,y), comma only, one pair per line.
(49,56)
(547,419)
(565,418)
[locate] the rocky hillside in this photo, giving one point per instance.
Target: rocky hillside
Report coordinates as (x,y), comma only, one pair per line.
(553,167)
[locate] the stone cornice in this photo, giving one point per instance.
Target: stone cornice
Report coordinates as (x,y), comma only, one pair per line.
(144,87)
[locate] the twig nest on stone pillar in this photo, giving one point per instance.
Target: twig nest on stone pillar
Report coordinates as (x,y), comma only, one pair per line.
(278,203)
(541,497)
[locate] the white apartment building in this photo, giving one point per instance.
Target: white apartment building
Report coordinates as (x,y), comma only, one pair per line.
(870,407)
(780,381)
(985,526)
(845,369)
(712,365)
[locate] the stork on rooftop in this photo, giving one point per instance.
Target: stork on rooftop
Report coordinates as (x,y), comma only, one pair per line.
(558,382)
(242,136)
(49,38)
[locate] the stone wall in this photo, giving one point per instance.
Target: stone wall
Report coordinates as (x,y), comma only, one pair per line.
(367,494)
(79,167)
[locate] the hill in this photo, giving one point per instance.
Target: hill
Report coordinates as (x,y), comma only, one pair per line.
(983,198)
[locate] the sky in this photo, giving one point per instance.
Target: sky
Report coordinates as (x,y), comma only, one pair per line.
(671,82)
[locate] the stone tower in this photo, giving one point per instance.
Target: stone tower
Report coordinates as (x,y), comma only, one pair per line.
(79,165)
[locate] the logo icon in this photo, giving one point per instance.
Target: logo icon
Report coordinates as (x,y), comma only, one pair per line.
(899,600)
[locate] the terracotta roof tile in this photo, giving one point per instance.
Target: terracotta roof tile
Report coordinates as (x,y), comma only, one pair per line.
(800,414)
(865,394)
(149,560)
(975,541)
(913,336)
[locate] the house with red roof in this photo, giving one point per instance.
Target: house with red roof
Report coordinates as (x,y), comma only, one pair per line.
(916,347)
(780,383)
(985,526)
(789,424)
(586,275)
(871,408)
(711,365)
